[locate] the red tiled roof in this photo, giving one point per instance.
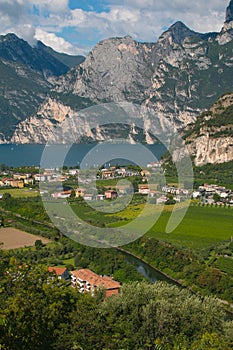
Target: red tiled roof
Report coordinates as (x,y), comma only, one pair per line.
(58,270)
(96,280)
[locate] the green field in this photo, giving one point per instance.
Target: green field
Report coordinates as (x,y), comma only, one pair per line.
(20,192)
(201,227)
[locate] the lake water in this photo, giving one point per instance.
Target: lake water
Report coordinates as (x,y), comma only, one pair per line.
(30,154)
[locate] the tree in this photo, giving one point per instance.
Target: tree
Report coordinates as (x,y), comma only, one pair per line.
(216,197)
(6,196)
(73,194)
(35,308)
(38,244)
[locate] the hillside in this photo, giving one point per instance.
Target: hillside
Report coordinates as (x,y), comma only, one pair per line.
(27,75)
(210,138)
(178,77)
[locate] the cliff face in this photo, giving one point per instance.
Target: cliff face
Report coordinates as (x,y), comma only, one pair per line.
(210,139)
(178,77)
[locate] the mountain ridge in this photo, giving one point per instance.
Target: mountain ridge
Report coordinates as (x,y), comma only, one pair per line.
(177,77)
(27,75)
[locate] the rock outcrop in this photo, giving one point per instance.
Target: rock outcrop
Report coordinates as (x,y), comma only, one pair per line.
(210,139)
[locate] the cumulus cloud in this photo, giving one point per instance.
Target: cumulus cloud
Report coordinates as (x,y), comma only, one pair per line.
(57,43)
(144,20)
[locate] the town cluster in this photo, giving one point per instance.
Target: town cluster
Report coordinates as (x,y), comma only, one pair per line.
(163,194)
(211,193)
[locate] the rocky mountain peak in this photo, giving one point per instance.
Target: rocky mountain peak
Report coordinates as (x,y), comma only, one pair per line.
(229,12)
(177,33)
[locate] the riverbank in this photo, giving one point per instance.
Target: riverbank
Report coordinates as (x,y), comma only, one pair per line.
(163,274)
(173,281)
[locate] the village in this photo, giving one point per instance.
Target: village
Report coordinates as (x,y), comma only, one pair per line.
(158,193)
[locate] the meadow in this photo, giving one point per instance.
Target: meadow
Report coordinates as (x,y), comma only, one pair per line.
(201,227)
(20,192)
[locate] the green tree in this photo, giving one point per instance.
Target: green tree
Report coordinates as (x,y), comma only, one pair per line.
(216,197)
(6,196)
(38,244)
(35,309)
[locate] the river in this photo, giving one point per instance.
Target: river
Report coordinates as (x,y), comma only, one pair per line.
(146,270)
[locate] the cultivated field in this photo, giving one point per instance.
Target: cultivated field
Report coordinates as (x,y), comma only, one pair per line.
(201,227)
(20,192)
(13,238)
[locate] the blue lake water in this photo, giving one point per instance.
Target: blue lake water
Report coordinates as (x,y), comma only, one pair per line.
(96,155)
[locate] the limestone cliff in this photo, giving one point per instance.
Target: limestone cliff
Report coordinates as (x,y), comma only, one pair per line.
(210,139)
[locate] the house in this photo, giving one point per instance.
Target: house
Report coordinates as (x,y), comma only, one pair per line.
(177,199)
(172,190)
(62,194)
(80,192)
(154,165)
(143,189)
(152,194)
(145,173)
(88,281)
(100,197)
(88,197)
(196,194)
(110,194)
(29,181)
(125,189)
(61,272)
(120,172)
(161,200)
(40,177)
(13,183)
(107,174)
(73,172)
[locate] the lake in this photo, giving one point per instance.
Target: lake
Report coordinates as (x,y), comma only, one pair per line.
(17,155)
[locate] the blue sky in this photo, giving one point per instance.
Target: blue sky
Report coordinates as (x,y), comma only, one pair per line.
(75,26)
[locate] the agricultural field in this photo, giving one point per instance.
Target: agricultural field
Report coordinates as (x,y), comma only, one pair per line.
(202,227)
(20,192)
(13,238)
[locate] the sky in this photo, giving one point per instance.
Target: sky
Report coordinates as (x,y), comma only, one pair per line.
(75,26)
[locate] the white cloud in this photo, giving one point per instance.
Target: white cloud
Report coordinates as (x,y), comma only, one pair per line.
(57,43)
(145,20)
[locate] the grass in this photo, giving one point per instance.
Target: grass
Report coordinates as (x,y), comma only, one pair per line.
(20,192)
(225,265)
(201,227)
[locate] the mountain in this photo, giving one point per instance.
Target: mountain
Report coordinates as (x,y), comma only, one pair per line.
(178,77)
(27,75)
(14,49)
(210,138)
(229,12)
(68,60)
